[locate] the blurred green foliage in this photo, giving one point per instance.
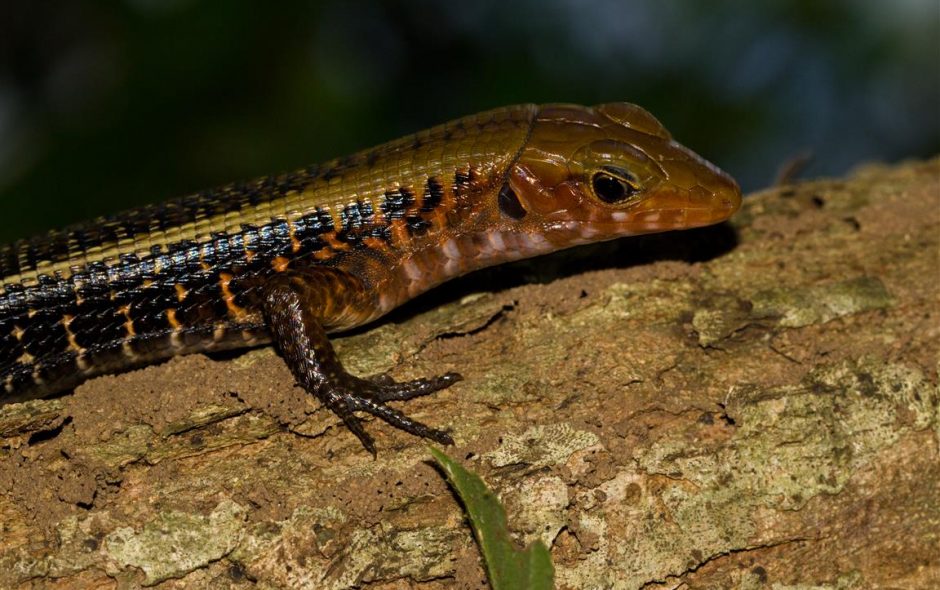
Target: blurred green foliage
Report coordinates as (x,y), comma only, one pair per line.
(107,105)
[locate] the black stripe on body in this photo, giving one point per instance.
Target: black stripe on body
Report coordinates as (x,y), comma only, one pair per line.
(396,203)
(433,195)
(359,222)
(62,245)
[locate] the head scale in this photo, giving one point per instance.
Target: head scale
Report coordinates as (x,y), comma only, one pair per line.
(590,174)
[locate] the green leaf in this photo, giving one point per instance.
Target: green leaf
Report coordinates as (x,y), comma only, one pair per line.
(508,567)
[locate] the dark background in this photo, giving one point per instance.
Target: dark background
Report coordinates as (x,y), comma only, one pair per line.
(107,105)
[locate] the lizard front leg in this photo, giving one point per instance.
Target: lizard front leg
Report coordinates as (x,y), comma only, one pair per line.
(296,306)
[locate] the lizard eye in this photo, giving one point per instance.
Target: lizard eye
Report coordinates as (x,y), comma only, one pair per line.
(614,185)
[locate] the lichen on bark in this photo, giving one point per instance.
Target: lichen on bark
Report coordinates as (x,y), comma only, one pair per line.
(766,416)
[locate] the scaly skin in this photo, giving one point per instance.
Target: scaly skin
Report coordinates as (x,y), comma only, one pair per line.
(291,258)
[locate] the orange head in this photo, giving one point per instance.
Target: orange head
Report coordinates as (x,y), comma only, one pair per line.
(590,174)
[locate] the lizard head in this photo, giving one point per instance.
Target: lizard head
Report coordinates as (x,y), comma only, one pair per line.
(590,174)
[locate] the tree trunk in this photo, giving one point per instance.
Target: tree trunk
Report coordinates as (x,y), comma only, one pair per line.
(745,406)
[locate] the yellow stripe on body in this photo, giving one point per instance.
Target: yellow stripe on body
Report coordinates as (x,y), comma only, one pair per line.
(500,133)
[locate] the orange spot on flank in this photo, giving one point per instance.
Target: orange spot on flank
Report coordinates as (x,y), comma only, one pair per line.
(334,243)
(323,254)
(171,318)
(225,280)
(280,263)
(294,241)
(374,243)
(125,310)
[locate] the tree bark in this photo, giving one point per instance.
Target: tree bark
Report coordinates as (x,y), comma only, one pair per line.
(747,406)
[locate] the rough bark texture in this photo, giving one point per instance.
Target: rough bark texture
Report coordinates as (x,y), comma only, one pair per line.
(763,417)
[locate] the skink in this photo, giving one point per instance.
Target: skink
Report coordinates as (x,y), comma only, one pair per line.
(294,257)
